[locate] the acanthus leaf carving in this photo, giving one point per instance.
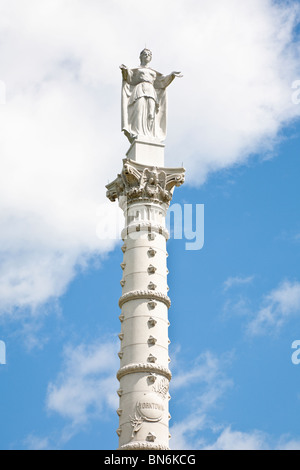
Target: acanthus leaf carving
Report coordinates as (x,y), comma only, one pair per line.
(162,388)
(140,182)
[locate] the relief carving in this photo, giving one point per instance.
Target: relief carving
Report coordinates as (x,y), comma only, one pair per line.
(150,408)
(137,182)
(152,358)
(152,322)
(152,286)
(151,252)
(152,341)
(152,269)
(151,437)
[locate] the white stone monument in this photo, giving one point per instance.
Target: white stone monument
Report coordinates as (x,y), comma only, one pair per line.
(144,190)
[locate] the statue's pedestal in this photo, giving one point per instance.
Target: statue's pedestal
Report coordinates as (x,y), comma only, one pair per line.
(147,152)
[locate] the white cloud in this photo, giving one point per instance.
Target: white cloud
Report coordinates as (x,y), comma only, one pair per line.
(212,384)
(207,369)
(288,444)
(274,308)
(209,384)
(202,388)
(84,387)
(254,440)
(37,443)
(236,281)
(236,440)
(60,139)
(278,306)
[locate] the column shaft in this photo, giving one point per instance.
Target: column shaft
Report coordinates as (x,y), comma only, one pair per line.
(144,194)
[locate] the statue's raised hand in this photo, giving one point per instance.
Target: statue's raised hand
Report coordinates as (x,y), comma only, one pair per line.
(177,74)
(124,70)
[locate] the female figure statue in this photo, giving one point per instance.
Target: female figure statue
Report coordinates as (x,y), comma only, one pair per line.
(144,100)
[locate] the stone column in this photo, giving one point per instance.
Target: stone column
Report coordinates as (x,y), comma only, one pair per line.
(144,193)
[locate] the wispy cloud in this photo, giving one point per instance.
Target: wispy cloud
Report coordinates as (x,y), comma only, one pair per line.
(203,387)
(237,440)
(237,281)
(236,302)
(209,383)
(291,236)
(273,310)
(85,386)
(230,439)
(277,308)
(37,443)
(288,443)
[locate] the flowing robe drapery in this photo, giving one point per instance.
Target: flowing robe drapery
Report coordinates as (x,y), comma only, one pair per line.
(143,97)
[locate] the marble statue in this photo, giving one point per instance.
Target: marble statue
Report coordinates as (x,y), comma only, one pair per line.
(144,101)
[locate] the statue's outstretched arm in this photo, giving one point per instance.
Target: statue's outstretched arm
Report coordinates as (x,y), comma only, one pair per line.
(162,81)
(177,74)
(124,71)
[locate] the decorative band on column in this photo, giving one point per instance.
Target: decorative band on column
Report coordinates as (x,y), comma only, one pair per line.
(144,367)
(144,294)
(145,227)
(143,445)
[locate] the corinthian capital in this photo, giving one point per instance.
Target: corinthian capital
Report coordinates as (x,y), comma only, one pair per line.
(143,183)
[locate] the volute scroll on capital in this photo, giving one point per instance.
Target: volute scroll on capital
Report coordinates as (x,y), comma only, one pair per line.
(139,182)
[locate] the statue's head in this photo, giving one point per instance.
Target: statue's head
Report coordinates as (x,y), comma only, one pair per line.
(145,56)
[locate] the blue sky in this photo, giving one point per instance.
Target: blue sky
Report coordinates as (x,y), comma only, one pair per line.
(235,303)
